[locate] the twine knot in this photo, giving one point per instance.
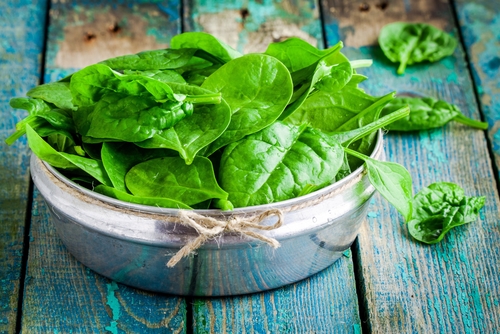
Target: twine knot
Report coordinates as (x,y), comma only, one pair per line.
(209,228)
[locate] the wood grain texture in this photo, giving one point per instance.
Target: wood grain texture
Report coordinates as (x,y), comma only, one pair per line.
(479,23)
(61,295)
(408,287)
(21,45)
(327,302)
(323,303)
(249,26)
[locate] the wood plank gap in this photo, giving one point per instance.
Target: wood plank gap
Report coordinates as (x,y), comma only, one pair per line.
(189,314)
(360,288)
(476,84)
(24,258)
(322,16)
(29,203)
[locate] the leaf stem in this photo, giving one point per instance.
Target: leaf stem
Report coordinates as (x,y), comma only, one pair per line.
(215,98)
(471,122)
(361,63)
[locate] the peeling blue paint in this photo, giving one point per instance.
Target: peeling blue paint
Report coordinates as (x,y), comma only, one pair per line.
(114,304)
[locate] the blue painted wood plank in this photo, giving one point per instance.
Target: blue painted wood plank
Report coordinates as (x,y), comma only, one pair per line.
(327,302)
(21,44)
(479,23)
(408,287)
(61,295)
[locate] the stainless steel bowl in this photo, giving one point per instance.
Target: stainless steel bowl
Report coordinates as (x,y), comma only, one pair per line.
(132,243)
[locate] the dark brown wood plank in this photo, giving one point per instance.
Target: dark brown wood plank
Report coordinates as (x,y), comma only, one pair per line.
(408,287)
(62,295)
(21,45)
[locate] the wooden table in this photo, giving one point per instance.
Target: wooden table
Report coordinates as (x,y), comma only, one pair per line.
(387,283)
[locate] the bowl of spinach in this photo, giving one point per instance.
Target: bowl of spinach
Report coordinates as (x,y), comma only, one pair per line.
(197,170)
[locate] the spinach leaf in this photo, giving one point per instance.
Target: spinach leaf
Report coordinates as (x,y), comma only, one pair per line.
(440,207)
(192,134)
(118,158)
(152,60)
(90,84)
(207,43)
(278,163)
(160,75)
(391,180)
(331,74)
(57,93)
(343,110)
(171,178)
(409,43)
(64,160)
(296,54)
(257,88)
(151,201)
(133,118)
(427,113)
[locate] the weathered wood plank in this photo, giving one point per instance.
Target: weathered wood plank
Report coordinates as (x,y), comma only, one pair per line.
(326,302)
(479,23)
(409,287)
(61,295)
(21,45)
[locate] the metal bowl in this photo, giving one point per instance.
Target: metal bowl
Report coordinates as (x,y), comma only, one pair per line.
(132,243)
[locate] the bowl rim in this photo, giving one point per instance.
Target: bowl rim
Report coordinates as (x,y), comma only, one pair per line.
(376,153)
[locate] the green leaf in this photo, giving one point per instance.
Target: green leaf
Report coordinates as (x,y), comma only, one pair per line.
(391,180)
(151,60)
(151,201)
(64,160)
(278,163)
(427,113)
(118,158)
(57,93)
(440,207)
(192,134)
(90,84)
(133,118)
(171,178)
(257,97)
(205,42)
(409,43)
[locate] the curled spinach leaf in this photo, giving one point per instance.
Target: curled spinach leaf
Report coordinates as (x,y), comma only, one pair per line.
(440,207)
(409,43)
(391,180)
(151,60)
(427,113)
(57,93)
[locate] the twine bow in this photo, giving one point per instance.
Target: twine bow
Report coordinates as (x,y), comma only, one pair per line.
(208,228)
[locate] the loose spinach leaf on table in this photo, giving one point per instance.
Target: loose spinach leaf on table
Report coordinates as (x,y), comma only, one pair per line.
(409,43)
(391,180)
(278,163)
(427,113)
(440,207)
(171,178)
(257,88)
